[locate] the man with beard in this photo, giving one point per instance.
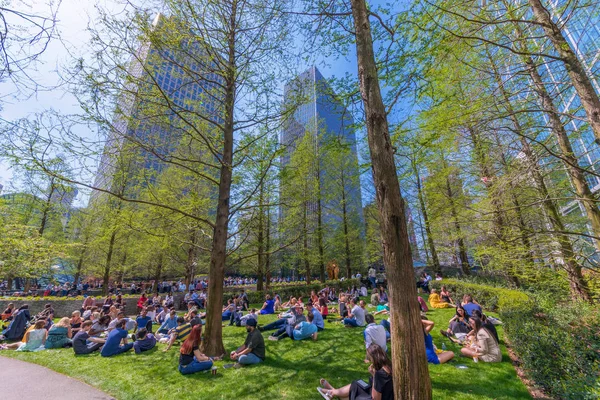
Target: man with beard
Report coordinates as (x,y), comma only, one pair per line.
(253,350)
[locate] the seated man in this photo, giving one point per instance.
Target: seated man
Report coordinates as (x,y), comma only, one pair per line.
(305,329)
(356,317)
(436,302)
(374,334)
(83,343)
(243,321)
(180,333)
(288,327)
(317,317)
(169,323)
(144,321)
(469,305)
(253,349)
(113,346)
(145,341)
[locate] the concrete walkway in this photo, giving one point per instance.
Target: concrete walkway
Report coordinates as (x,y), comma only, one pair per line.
(23,380)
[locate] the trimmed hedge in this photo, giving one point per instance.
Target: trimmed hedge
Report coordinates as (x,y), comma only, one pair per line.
(299,290)
(558,345)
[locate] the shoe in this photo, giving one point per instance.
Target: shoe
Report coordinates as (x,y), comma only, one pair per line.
(445,333)
(273,338)
(237,365)
(324,393)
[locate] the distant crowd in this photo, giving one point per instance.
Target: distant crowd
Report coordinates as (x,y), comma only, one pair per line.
(104,327)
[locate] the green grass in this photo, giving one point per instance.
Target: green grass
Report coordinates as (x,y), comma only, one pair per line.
(291,371)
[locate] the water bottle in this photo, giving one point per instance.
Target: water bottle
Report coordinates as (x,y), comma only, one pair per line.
(444,346)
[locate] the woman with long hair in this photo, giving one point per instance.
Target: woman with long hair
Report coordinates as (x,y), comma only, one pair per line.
(59,334)
(432,356)
(190,358)
(380,385)
(459,324)
(485,346)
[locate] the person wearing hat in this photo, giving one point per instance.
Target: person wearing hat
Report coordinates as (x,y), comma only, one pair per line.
(253,349)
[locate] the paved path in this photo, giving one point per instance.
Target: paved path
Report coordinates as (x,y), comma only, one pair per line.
(41,383)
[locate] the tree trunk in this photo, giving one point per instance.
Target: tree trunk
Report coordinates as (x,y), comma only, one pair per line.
(260,238)
(410,370)
(268,251)
(320,222)
(212,345)
(107,264)
(571,163)
(46,210)
(576,70)
(80,262)
(305,243)
(430,242)
(158,273)
(462,249)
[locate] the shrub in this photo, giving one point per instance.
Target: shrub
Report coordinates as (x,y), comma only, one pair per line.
(558,344)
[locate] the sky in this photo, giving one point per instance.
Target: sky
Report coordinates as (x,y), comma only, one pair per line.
(73,19)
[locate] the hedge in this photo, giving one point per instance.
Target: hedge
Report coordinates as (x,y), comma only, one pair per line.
(558,345)
(285,292)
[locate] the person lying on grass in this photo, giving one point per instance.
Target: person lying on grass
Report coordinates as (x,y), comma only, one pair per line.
(379,387)
(432,356)
(145,341)
(243,321)
(484,346)
(113,345)
(436,302)
(83,343)
(305,329)
(286,325)
(253,349)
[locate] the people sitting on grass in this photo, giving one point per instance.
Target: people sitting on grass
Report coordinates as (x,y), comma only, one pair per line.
(191,360)
(285,325)
(243,321)
(169,323)
(322,307)
(382,309)
(145,341)
(356,317)
(47,314)
(8,312)
(423,283)
(486,323)
(445,295)
(432,356)
(253,349)
(142,301)
(483,345)
(18,325)
(277,306)
(291,303)
(60,334)
(34,340)
(229,312)
(76,321)
(99,325)
(317,317)
(83,343)
(180,333)
(143,321)
(469,305)
(244,300)
(380,385)
(268,306)
(459,325)
(116,341)
(436,302)
(305,329)
(374,334)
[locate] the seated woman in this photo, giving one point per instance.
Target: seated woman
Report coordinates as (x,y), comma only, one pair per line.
(99,325)
(485,347)
(76,321)
(459,325)
(432,357)
(445,295)
(375,298)
(190,358)
(486,323)
(436,302)
(34,340)
(119,301)
(277,305)
(228,311)
(59,334)
(313,297)
(380,384)
(7,314)
(268,307)
(142,301)
(108,302)
(18,325)
(322,307)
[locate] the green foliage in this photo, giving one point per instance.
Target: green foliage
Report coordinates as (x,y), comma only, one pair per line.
(492,298)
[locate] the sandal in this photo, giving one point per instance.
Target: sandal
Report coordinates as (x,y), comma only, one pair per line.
(325,393)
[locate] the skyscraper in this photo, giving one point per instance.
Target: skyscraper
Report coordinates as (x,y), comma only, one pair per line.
(320,114)
(163,84)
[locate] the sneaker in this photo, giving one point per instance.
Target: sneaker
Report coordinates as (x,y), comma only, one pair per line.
(273,338)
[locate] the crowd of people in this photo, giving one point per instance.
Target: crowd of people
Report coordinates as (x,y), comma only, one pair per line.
(105,328)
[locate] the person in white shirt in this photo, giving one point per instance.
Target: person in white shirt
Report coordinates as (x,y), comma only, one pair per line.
(374,334)
(373,277)
(357,315)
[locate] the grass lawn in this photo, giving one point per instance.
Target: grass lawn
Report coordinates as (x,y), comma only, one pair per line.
(291,371)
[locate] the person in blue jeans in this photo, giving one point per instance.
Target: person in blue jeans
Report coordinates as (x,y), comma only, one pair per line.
(113,346)
(253,349)
(191,360)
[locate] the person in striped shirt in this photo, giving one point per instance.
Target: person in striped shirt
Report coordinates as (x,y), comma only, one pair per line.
(180,333)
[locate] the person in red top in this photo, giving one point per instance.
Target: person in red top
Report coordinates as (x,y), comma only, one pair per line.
(322,307)
(142,301)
